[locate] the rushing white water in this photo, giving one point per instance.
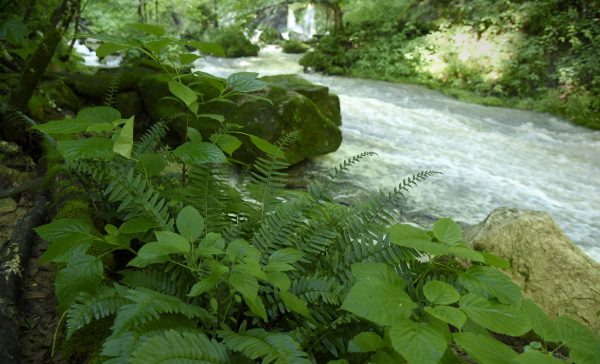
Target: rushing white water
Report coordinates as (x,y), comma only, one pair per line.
(490,157)
(91,59)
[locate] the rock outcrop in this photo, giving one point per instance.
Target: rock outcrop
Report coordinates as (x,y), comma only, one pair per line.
(551,270)
(295,104)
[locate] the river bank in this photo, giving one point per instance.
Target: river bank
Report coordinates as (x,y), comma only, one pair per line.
(490,156)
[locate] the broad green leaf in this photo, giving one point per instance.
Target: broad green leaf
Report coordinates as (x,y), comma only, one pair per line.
(83,273)
(537,357)
(148,28)
(451,315)
(379,301)
(237,249)
(89,148)
(278,279)
(187,58)
(380,271)
(387,357)
(266,146)
(497,317)
(182,92)
(194,135)
(245,82)
(294,303)
(412,237)
(257,306)
(199,153)
(365,342)
(69,126)
(495,261)
(176,242)
(217,117)
(447,231)
(159,251)
(190,223)
(244,283)
(484,349)
(211,244)
(124,143)
(286,255)
(578,337)
(63,234)
(217,272)
(466,252)
(137,225)
(440,293)
(107,48)
(14,32)
(156,46)
(228,143)
(338,361)
(208,48)
(481,280)
(541,323)
(98,114)
(418,342)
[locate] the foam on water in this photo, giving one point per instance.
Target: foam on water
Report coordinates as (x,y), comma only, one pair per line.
(490,157)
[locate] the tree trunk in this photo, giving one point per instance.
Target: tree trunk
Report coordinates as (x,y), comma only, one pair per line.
(14,129)
(338,18)
(142,11)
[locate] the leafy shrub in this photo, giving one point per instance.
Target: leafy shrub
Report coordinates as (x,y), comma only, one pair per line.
(235,43)
(293,46)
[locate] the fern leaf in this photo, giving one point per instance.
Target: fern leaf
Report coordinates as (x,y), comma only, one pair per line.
(177,347)
(137,198)
(174,282)
(103,303)
(271,347)
(110,98)
(151,138)
(148,305)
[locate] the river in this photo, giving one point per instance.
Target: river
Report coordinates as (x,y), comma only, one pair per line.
(490,157)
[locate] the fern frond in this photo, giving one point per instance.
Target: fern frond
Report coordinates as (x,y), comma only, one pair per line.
(149,305)
(110,98)
(208,191)
(103,303)
(120,346)
(151,138)
(174,281)
(137,198)
(258,343)
(180,347)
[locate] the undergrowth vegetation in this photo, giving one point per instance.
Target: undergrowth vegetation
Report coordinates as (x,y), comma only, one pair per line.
(538,54)
(189,262)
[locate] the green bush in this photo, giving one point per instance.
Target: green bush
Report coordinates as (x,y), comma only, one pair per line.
(293,46)
(235,43)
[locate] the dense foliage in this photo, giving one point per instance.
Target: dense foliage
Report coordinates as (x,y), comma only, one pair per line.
(538,54)
(179,264)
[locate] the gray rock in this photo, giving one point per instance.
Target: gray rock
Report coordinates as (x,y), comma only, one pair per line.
(550,269)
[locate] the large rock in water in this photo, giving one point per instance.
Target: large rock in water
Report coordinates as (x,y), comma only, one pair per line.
(551,270)
(296,104)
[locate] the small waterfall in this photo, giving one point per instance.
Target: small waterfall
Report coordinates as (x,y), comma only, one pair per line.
(307,28)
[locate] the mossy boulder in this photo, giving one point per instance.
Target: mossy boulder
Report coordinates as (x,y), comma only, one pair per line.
(96,85)
(235,43)
(295,104)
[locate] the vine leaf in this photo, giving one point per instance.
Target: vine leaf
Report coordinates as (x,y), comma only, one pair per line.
(365,342)
(440,293)
(484,349)
(418,342)
(497,317)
